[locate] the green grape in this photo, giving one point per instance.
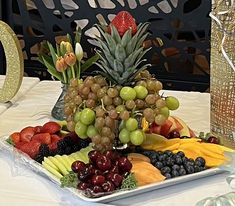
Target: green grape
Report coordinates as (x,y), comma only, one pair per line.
(87,116)
(122,125)
(91,131)
(137,137)
(120,108)
(160,119)
(127,93)
(164,111)
(77,116)
(141,91)
(124,136)
(131,124)
(172,103)
(81,130)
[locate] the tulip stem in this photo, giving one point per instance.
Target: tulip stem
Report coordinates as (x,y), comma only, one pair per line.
(64,76)
(73,72)
(79,69)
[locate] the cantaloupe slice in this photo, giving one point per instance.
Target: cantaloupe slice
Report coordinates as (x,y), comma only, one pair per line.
(145,173)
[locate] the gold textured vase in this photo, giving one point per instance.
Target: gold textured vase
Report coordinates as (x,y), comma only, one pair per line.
(222,87)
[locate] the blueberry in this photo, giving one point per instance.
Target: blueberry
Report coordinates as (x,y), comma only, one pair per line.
(175,173)
(169,153)
(162,157)
(184,160)
(139,149)
(158,165)
(178,160)
(181,154)
(167,175)
(159,153)
(189,169)
(148,153)
(200,161)
(175,167)
(182,172)
(169,161)
(154,158)
(197,168)
(165,170)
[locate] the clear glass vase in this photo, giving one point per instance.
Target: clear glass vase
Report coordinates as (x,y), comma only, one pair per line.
(58,109)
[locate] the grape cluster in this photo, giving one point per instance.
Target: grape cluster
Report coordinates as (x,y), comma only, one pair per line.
(102,112)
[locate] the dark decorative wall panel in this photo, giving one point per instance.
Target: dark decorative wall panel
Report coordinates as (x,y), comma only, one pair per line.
(180,31)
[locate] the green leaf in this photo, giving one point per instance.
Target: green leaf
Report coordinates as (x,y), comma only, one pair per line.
(126,38)
(115,34)
(140,41)
(69,39)
(131,45)
(118,66)
(130,60)
(120,53)
(10,141)
(142,54)
(142,29)
(111,43)
(109,58)
(53,53)
(89,62)
(78,34)
(51,69)
(58,50)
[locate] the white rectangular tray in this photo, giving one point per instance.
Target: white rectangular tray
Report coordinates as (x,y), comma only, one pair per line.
(26,160)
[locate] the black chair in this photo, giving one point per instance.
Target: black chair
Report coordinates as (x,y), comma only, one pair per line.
(180,34)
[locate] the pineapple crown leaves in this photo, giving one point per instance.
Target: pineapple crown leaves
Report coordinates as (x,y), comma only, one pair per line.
(120,57)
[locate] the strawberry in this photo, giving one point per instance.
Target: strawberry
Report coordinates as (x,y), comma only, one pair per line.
(44,138)
(123,21)
(30,148)
(15,137)
(26,134)
(37,129)
(18,145)
(54,139)
(50,127)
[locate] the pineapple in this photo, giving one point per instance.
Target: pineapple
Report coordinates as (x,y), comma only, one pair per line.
(121,49)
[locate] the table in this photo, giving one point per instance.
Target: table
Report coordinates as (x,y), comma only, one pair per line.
(27,84)
(20,186)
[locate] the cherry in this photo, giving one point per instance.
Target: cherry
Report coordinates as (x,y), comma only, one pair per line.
(124,164)
(97,189)
(114,169)
(112,155)
(98,180)
(77,166)
(213,139)
(115,178)
(84,174)
(108,186)
(83,186)
(173,134)
(103,163)
(93,155)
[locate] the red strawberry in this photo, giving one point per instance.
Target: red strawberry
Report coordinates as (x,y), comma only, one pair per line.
(50,127)
(15,137)
(37,129)
(123,21)
(18,145)
(30,148)
(44,138)
(54,139)
(26,134)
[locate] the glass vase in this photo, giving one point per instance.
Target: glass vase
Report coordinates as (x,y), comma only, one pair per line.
(58,109)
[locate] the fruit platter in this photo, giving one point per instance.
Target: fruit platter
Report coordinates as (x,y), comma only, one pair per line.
(119,137)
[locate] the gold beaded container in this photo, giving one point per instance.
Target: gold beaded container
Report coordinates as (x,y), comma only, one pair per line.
(223,72)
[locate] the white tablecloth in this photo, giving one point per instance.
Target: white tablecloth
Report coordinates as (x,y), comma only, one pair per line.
(24,187)
(27,84)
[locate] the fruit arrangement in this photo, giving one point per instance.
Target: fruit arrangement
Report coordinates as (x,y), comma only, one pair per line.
(119,132)
(109,108)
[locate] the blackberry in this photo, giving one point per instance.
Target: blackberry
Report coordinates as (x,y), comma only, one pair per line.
(44,150)
(83,143)
(61,145)
(39,158)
